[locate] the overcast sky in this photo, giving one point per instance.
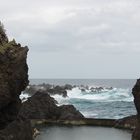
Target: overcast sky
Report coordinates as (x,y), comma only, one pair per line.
(76,38)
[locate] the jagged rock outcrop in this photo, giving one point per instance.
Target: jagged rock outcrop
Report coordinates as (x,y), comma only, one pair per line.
(51,89)
(136,94)
(42,106)
(60,90)
(13,80)
(39,106)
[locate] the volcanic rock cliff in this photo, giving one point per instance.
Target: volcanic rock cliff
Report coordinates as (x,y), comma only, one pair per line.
(136,94)
(13,80)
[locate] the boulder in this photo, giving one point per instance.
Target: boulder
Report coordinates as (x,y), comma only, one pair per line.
(42,106)
(39,106)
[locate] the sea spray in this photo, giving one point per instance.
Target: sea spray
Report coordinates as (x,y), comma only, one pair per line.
(108,103)
(97,101)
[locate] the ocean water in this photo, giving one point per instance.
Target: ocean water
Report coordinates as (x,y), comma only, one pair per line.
(120,83)
(83,133)
(114,103)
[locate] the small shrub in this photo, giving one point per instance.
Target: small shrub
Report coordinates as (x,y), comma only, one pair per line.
(3,36)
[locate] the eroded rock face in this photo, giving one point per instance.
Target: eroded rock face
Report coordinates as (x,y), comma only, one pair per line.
(13,80)
(136,94)
(42,106)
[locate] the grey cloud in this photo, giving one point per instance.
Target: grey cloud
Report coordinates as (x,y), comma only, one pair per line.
(74,33)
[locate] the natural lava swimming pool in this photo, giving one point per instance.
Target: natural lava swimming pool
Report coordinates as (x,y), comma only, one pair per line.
(83,133)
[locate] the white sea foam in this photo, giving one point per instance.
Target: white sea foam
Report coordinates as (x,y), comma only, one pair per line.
(61,100)
(88,114)
(96,104)
(24,97)
(105,95)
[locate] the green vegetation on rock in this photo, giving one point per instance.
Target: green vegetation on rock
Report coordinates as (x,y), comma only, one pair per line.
(5,46)
(4,43)
(3,36)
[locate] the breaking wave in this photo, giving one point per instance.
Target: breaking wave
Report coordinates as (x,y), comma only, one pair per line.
(115,94)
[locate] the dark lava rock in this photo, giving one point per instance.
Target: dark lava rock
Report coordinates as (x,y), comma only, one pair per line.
(127,122)
(42,106)
(51,89)
(68,87)
(69,112)
(39,106)
(57,90)
(136,94)
(13,80)
(83,90)
(17,130)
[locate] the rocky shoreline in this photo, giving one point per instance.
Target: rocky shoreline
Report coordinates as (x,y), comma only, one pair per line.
(62,90)
(124,123)
(18,121)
